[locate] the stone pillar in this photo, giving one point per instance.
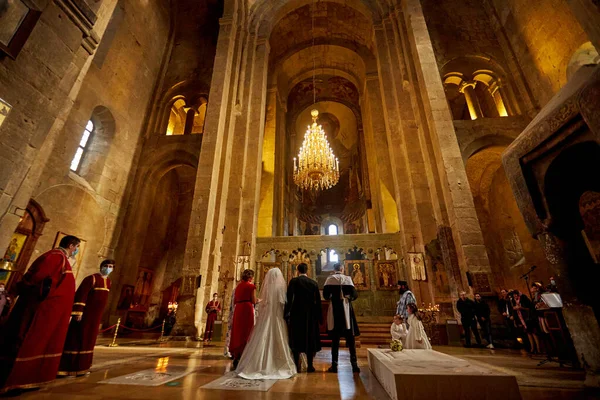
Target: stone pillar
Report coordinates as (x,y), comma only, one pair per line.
(189,121)
(253,149)
(458,199)
(208,177)
(378,156)
(468,89)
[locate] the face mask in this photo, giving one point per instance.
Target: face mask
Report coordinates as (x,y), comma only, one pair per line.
(75,252)
(106,271)
(553,282)
(1,289)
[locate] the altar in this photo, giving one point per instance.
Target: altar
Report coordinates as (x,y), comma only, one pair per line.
(429,374)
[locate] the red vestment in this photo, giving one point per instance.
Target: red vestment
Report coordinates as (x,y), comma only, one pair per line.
(212,309)
(90,300)
(243,318)
(32,340)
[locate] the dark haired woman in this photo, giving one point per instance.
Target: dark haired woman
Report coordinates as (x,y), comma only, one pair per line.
(416,337)
(243,315)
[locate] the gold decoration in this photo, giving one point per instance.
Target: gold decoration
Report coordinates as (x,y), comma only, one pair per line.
(317,168)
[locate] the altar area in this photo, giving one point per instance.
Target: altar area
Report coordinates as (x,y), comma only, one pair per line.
(429,374)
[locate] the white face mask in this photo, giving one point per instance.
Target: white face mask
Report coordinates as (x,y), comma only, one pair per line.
(106,271)
(1,289)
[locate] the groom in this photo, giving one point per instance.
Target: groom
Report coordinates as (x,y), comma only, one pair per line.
(303,314)
(340,290)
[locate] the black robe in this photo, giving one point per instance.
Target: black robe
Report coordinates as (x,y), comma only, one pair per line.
(338,286)
(303,313)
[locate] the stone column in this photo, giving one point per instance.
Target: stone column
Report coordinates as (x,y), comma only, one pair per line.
(202,219)
(468,89)
(458,199)
(251,180)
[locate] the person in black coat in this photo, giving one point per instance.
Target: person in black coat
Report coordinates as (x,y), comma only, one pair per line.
(341,322)
(466,308)
(303,314)
(482,313)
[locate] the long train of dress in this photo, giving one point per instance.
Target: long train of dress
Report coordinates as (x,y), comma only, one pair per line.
(267,354)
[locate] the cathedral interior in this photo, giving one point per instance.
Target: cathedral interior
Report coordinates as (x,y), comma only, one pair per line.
(165,134)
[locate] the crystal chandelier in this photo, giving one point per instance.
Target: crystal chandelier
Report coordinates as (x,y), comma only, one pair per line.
(317,168)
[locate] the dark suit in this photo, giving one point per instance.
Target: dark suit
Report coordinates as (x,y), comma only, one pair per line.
(303,313)
(466,308)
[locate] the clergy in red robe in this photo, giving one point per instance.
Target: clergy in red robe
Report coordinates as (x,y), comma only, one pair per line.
(213,308)
(90,300)
(32,340)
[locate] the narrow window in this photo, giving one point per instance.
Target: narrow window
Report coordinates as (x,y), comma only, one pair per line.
(85,140)
(332,229)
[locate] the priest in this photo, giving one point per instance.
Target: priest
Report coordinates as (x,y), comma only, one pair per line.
(340,290)
(90,300)
(32,340)
(303,313)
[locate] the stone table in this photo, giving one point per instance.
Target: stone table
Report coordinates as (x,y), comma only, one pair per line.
(428,375)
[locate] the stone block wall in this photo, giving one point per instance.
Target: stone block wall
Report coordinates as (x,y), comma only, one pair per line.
(123,84)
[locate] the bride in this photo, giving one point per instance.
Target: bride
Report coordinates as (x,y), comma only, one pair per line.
(267,354)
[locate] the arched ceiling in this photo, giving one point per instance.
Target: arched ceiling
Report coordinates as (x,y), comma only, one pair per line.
(335,23)
(481,169)
(329,60)
(267,13)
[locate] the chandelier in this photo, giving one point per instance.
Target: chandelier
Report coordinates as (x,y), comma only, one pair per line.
(317,168)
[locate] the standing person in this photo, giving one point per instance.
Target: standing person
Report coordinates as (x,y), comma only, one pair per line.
(526,320)
(213,308)
(170,322)
(32,340)
(416,337)
(243,315)
(398,329)
(303,312)
(340,290)
(466,308)
(90,301)
(267,354)
(4,300)
(406,297)
(482,313)
(505,309)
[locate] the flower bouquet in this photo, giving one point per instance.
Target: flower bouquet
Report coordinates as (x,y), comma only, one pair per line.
(396,345)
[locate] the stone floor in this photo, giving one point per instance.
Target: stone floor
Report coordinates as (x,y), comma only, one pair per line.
(545,382)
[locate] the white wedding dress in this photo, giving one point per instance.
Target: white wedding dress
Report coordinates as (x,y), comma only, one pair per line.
(267,354)
(416,333)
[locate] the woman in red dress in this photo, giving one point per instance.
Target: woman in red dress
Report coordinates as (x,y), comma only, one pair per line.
(243,315)
(213,308)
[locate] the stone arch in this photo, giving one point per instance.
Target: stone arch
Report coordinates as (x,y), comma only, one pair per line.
(478,87)
(186,103)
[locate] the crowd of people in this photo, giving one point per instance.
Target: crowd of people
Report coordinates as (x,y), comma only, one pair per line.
(51,330)
(523,317)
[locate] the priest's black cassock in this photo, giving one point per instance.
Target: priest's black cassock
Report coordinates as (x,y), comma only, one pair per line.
(303,312)
(341,322)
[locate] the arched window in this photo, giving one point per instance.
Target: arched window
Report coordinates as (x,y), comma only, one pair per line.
(83,145)
(333,256)
(332,229)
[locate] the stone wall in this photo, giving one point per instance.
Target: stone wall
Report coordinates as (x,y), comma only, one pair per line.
(543,36)
(123,84)
(41,85)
